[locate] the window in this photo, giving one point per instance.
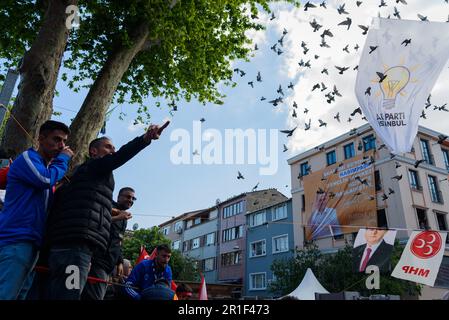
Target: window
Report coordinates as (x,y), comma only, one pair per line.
(185,246)
(349,150)
(446,158)
(304,169)
(414,180)
(280,244)
(189,224)
(331,157)
(279,213)
(197,221)
(382,219)
(426,151)
(258,248)
(195,243)
(209,264)
(369,142)
(233,209)
(176,244)
(232,233)
(435,193)
(213,214)
(377,180)
(210,239)
(166,230)
(257,219)
(231,258)
(258,281)
(178,226)
(303,199)
(442,224)
(422,219)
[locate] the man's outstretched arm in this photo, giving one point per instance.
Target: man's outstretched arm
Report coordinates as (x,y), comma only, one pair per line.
(111,162)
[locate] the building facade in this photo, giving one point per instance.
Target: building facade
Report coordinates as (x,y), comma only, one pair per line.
(232,230)
(200,242)
(420,197)
(269,238)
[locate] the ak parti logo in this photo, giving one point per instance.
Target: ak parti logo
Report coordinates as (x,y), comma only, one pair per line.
(426,244)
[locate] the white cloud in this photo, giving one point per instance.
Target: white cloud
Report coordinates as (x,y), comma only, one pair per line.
(296,21)
(135,127)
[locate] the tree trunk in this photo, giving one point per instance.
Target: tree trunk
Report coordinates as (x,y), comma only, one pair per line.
(90,117)
(38,77)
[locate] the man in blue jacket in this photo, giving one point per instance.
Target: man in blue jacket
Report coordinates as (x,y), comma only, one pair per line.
(149,272)
(29,192)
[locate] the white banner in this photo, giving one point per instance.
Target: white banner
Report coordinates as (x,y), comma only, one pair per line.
(422,256)
(400,64)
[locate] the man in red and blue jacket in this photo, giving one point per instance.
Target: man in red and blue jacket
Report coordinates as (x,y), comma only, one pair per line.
(31,179)
(149,272)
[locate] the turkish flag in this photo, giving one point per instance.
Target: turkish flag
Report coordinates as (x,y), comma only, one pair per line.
(143,255)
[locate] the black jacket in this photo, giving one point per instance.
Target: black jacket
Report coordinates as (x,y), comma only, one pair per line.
(380,257)
(81,212)
(113,256)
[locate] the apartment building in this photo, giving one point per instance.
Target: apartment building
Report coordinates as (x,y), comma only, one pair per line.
(269,238)
(232,230)
(420,199)
(173,229)
(200,241)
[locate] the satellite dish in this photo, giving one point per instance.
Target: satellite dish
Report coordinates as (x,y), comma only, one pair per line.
(135,226)
(217,202)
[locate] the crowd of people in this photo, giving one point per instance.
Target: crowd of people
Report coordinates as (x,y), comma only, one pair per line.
(61,237)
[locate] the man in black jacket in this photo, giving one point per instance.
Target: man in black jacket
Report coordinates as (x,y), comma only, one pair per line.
(80,219)
(103,265)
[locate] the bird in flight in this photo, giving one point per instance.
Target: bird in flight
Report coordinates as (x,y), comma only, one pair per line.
(368,91)
(341,69)
(397,177)
(289,132)
(322,123)
(357,110)
(422,18)
(406,42)
(418,162)
(341,9)
(307,125)
(372,48)
(285,148)
(364,28)
(240,175)
(381,76)
(255,187)
(346,22)
(337,116)
(309,5)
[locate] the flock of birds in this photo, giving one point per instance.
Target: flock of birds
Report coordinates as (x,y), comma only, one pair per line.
(330,92)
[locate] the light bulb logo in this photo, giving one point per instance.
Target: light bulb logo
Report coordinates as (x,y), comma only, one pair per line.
(396,79)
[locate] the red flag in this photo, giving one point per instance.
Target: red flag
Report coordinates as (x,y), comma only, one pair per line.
(173,286)
(202,290)
(143,255)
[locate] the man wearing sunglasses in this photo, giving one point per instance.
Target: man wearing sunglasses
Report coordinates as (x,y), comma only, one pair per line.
(111,263)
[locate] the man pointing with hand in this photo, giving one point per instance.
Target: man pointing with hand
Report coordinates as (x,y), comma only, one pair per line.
(80,220)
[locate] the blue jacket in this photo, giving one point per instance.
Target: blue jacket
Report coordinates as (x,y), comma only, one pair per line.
(144,276)
(28,196)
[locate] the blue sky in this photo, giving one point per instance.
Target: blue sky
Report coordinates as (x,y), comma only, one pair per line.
(165,190)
